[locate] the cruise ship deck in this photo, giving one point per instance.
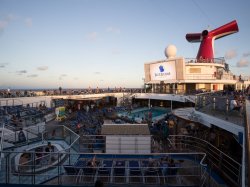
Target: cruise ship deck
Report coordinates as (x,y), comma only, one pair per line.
(139,155)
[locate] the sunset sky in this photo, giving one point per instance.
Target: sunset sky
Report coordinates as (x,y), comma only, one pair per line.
(105,43)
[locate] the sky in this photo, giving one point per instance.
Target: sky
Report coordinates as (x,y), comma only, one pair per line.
(105,43)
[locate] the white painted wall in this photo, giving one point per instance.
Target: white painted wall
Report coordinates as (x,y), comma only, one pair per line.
(47,99)
(128,144)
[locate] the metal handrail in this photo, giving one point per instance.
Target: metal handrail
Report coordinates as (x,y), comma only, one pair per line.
(1,146)
(205,143)
(201,160)
(74,134)
(29,130)
(229,164)
(220,60)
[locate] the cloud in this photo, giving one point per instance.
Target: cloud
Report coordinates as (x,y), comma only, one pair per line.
(10,17)
(43,68)
(230,54)
(92,36)
(246,54)
(113,30)
(4,22)
(3,65)
(21,72)
(62,75)
(243,63)
(97,73)
(76,78)
(116,52)
(33,75)
(28,22)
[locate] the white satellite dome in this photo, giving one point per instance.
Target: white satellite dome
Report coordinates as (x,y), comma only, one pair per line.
(170,51)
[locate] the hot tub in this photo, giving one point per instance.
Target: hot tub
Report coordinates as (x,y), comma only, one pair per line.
(35,159)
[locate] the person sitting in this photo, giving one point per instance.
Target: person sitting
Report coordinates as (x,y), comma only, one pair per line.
(164,165)
(92,162)
(152,164)
(235,105)
(49,148)
(172,170)
(14,120)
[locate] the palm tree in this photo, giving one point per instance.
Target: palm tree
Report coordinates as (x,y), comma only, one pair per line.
(60,90)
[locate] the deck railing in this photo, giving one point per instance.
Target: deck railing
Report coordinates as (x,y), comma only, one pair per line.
(112,169)
(223,164)
(214,60)
(179,148)
(39,132)
(217,104)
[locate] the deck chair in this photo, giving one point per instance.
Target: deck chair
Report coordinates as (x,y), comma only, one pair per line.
(119,171)
(134,170)
(151,175)
(104,171)
(89,173)
(70,173)
(172,172)
(80,164)
(70,169)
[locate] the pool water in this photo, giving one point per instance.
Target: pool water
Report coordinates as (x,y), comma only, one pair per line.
(145,113)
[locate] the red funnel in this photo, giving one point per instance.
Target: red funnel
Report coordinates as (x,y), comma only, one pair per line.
(207,38)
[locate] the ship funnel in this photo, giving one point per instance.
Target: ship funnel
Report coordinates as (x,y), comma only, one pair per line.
(206,38)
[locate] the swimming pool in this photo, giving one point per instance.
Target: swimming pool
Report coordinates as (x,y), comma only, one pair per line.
(145,113)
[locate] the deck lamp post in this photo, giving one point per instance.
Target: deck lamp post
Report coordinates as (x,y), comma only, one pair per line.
(144,87)
(204,101)
(171,104)
(214,103)
(227,108)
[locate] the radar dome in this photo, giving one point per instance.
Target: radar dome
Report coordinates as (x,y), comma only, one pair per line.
(170,51)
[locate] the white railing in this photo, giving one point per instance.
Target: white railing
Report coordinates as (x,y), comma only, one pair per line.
(214,60)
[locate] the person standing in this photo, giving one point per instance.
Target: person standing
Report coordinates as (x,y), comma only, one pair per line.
(21,136)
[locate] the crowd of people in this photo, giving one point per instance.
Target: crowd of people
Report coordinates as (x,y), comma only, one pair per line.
(19,115)
(33,93)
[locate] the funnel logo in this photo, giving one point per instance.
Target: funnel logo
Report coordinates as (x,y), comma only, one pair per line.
(161,68)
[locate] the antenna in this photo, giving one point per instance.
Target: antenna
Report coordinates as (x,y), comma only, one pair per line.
(206,38)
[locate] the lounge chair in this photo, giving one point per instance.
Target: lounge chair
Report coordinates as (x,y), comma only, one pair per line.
(104,170)
(134,170)
(119,171)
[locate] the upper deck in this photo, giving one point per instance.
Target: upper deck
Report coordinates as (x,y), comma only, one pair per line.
(220,62)
(182,71)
